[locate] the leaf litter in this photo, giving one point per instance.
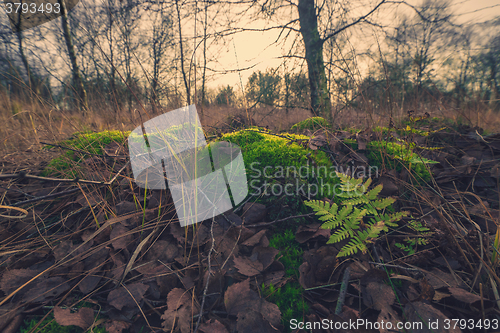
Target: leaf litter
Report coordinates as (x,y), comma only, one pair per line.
(144,270)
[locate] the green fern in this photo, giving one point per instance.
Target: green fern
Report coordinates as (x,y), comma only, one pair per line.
(414,241)
(362,216)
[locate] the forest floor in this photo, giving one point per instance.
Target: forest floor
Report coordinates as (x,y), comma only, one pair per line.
(77,256)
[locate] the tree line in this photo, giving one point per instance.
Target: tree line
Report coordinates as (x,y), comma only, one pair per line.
(127,54)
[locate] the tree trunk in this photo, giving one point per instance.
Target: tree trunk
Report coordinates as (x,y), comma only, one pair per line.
(184,76)
(77,79)
(31,80)
(320,97)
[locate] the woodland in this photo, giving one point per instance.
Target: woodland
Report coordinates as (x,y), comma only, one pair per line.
(370,147)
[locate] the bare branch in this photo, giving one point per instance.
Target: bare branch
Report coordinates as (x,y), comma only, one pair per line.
(336,32)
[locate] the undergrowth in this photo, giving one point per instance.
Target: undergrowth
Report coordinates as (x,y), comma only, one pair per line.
(396,156)
(283,163)
(313,123)
(86,143)
(289,297)
(361,216)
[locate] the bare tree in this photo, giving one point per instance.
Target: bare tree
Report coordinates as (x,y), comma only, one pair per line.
(77,79)
(187,84)
(313,36)
(160,42)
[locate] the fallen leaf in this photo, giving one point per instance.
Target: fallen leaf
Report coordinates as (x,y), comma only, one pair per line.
(15,278)
(238,296)
(427,293)
(180,309)
(116,326)
(423,313)
(253,212)
(306,232)
(248,267)
(213,326)
(240,299)
(83,317)
(121,297)
(255,239)
(253,321)
(265,255)
(46,288)
(120,237)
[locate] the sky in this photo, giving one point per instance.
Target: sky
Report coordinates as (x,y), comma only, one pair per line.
(255,49)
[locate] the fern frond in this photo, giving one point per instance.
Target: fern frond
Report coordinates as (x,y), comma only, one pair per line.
(322,207)
(354,219)
(356,201)
(394,217)
(410,250)
(339,236)
(352,247)
(336,220)
(383,203)
(373,193)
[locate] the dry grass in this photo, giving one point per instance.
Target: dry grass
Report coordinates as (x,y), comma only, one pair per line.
(26,123)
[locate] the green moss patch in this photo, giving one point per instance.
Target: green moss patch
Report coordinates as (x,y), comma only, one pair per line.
(313,123)
(86,144)
(283,165)
(289,297)
(394,155)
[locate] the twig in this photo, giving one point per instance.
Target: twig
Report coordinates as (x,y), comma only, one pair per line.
(81,151)
(22,175)
(25,212)
(394,266)
(343,290)
(55,195)
(276,221)
(49,196)
(208,276)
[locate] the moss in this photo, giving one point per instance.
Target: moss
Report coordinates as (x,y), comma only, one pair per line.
(93,143)
(89,142)
(401,131)
(312,124)
(288,298)
(393,155)
(280,163)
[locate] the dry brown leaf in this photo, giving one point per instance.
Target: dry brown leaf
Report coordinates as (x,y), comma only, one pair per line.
(307,232)
(265,255)
(213,326)
(427,293)
(240,299)
(83,317)
(46,288)
(306,278)
(380,296)
(238,296)
(420,312)
(121,297)
(162,250)
(120,237)
(248,267)
(15,278)
(255,239)
(252,321)
(180,309)
(116,326)
(253,212)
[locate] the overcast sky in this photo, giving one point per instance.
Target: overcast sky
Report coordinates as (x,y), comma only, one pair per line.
(248,49)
